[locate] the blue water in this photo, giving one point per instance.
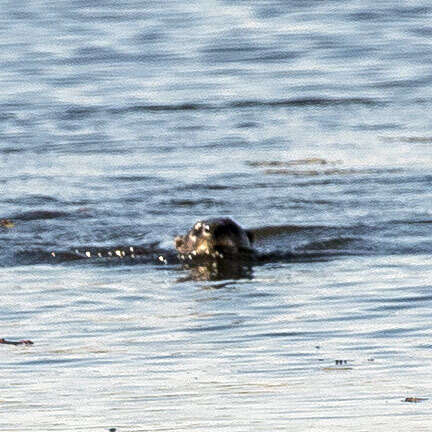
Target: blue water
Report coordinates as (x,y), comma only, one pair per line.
(123,123)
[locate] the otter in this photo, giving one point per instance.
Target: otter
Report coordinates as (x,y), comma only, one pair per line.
(215,238)
(216,249)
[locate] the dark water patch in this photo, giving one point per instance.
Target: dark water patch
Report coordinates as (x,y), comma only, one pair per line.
(40,215)
(52,361)
(394,332)
(264,232)
(367,16)
(343,318)
(5,116)
(132,179)
(410,299)
(33,200)
(408,139)
(199,106)
(237,49)
(92,255)
(190,128)
(280,334)
(208,328)
(247,125)
(302,102)
(412,222)
(297,335)
(402,83)
(331,172)
(89,144)
(377,127)
(274,163)
(422,31)
(162,108)
(78,113)
(10,150)
(204,187)
(410,11)
(331,245)
(202,202)
(390,308)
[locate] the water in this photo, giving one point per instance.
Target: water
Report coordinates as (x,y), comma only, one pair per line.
(122,123)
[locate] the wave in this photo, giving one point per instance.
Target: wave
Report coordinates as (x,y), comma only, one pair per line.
(83,112)
(278,243)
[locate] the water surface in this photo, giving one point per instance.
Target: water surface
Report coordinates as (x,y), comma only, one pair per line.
(121,124)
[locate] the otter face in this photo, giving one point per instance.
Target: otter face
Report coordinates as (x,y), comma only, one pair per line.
(214,236)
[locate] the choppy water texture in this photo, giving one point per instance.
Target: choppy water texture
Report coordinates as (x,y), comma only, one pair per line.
(122,123)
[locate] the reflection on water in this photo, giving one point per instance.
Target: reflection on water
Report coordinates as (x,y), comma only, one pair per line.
(123,123)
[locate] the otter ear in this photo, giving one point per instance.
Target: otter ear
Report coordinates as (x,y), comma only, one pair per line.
(250,235)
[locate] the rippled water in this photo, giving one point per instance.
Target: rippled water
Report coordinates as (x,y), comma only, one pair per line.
(122,123)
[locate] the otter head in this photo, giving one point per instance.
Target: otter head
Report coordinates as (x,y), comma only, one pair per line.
(214,237)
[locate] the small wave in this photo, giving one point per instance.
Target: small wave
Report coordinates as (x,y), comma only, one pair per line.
(294,162)
(206,202)
(33,200)
(332,171)
(301,102)
(332,244)
(147,253)
(39,215)
(82,112)
(162,107)
(408,139)
(77,113)
(264,232)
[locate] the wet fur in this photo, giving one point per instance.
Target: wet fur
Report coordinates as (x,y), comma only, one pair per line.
(215,237)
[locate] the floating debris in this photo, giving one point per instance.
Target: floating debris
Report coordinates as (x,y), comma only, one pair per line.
(21,342)
(7,223)
(88,254)
(414,399)
(118,253)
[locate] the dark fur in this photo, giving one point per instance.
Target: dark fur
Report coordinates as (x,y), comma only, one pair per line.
(215,237)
